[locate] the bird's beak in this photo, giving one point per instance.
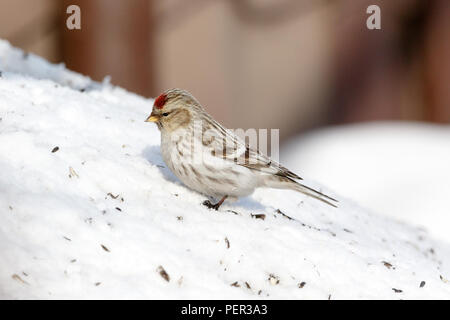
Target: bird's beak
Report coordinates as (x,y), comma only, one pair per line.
(152,118)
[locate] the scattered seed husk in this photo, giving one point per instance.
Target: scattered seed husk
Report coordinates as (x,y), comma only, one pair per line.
(387,264)
(284,215)
(18,278)
(163,273)
(422,284)
(235,284)
(55,149)
(227,242)
(301,284)
(105,248)
(72,173)
(397,290)
(273,279)
(258,216)
(112,196)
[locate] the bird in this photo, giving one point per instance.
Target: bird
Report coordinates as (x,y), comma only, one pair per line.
(211,159)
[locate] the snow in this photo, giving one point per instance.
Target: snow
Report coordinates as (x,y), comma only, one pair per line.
(399,169)
(102,216)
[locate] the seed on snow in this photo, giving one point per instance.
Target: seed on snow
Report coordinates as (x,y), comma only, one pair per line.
(273,279)
(163,273)
(72,173)
(227,242)
(258,216)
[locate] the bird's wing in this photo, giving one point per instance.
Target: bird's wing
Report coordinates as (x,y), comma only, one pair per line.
(255,160)
(226,145)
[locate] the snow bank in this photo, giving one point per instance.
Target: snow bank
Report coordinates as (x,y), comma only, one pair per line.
(399,169)
(89,210)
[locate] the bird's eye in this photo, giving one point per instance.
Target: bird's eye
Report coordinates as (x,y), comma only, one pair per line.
(165,114)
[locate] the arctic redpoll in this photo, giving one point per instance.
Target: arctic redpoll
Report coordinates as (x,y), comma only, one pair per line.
(210,159)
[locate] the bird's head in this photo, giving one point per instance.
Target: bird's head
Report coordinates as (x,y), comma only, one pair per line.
(173,109)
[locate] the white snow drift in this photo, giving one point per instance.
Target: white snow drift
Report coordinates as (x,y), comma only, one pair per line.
(399,169)
(89,210)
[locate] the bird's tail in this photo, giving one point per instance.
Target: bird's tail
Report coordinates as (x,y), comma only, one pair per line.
(288,183)
(314,194)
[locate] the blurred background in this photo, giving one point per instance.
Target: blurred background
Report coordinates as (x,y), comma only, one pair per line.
(290,64)
(310,68)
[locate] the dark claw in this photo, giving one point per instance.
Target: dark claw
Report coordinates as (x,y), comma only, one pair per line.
(208,204)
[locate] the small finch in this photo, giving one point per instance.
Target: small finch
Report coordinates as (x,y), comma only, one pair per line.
(210,159)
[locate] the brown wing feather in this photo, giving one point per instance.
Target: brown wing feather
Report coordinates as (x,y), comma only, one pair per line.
(229,147)
(257,161)
(224,143)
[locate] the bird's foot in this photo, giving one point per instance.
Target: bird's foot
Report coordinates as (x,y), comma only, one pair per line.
(210,205)
(214,206)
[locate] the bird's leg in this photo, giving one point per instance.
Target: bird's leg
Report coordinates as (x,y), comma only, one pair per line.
(214,206)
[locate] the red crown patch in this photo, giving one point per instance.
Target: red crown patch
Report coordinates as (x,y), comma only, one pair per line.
(160,101)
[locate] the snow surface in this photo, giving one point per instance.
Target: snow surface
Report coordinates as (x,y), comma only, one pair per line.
(102,217)
(399,169)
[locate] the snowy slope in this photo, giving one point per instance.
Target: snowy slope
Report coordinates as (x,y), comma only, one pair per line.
(102,217)
(399,169)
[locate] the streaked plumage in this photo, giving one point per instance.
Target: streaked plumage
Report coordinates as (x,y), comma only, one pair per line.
(208,158)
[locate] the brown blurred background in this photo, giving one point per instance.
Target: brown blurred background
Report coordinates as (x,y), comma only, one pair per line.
(288,64)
